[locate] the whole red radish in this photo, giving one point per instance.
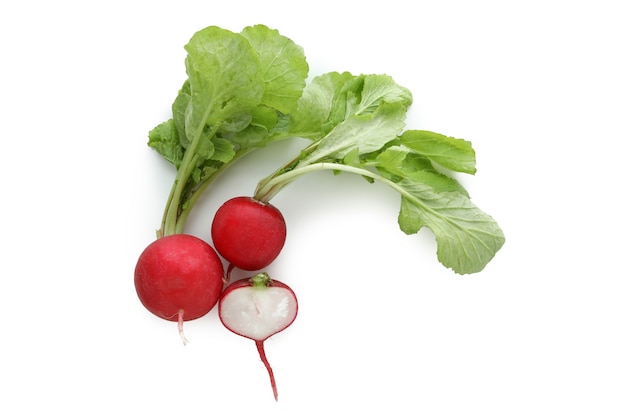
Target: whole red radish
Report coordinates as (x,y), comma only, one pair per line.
(257,308)
(247,233)
(179,278)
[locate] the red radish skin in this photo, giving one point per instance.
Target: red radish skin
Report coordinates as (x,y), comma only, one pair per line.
(257,308)
(247,233)
(179,278)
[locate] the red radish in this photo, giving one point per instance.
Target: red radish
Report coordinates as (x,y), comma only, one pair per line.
(247,233)
(257,308)
(179,278)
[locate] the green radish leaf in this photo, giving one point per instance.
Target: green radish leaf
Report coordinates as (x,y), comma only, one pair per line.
(397,162)
(179,113)
(283,66)
(367,133)
(451,153)
(164,139)
(312,115)
(332,98)
(223,150)
(236,123)
(378,89)
(225,79)
(257,133)
(401,161)
(467,238)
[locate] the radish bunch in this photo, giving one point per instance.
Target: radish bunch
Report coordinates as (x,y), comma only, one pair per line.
(246,90)
(180,277)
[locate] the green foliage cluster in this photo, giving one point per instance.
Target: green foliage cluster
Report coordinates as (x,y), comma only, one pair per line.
(245,90)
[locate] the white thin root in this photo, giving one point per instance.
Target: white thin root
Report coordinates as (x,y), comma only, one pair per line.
(180,328)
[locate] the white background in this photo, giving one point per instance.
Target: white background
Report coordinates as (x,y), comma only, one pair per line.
(539,89)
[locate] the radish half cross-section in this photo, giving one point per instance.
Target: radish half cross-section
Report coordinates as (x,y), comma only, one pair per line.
(258,308)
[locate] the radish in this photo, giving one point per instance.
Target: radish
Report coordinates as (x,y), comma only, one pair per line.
(257,308)
(179,277)
(247,233)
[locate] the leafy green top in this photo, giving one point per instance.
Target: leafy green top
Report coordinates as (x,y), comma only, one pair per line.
(246,90)
(239,89)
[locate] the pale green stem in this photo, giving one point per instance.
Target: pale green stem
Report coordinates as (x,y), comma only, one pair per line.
(270,186)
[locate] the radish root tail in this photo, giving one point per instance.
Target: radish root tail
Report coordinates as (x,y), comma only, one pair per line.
(261,349)
(180,327)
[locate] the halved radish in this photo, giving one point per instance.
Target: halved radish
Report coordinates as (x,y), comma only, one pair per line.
(257,308)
